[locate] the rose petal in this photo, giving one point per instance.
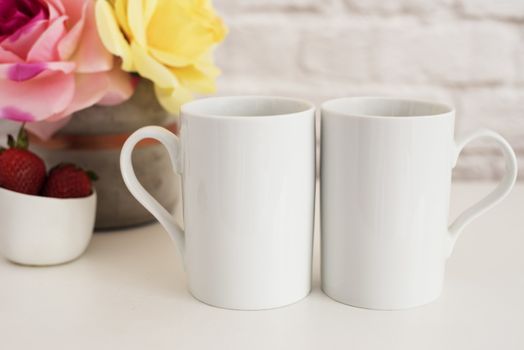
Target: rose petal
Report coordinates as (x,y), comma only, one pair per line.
(111,35)
(121,16)
(68,44)
(41,98)
(25,38)
(74,9)
(204,28)
(8,56)
(96,88)
(192,78)
(15,114)
(89,89)
(136,22)
(56,8)
(105,88)
(170,59)
(24,71)
(90,55)
(120,87)
(41,16)
(150,7)
(38,70)
(45,48)
(172,99)
(15,15)
(151,69)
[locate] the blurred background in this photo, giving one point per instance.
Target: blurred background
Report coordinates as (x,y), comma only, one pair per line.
(468,53)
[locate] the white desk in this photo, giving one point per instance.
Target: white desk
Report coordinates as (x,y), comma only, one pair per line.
(128,292)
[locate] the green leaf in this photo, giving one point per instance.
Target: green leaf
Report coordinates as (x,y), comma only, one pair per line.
(92,175)
(11,141)
(22,140)
(2,149)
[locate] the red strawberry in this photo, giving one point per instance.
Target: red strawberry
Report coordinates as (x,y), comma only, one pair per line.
(21,170)
(68,181)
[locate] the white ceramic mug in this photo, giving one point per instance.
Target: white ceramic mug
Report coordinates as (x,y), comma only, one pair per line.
(248,182)
(385,183)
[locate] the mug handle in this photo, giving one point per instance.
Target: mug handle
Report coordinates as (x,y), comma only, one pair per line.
(493,198)
(172,144)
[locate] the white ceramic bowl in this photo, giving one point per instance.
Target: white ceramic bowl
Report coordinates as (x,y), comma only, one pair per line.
(44,231)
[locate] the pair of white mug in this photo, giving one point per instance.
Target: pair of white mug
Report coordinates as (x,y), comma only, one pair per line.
(248,187)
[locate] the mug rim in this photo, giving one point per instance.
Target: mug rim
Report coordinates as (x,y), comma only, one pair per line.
(446,109)
(189,108)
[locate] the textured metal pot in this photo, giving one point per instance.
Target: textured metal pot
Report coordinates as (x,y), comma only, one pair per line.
(116,207)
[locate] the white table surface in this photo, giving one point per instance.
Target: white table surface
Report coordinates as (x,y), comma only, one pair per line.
(128,292)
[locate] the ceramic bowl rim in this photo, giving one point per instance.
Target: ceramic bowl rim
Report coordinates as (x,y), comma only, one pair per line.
(48,199)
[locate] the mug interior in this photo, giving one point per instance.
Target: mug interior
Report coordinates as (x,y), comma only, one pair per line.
(245,106)
(385,107)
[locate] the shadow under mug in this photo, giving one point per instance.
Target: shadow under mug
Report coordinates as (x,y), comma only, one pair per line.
(385,183)
(248,188)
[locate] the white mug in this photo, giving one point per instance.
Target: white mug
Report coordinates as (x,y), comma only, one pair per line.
(248,184)
(385,183)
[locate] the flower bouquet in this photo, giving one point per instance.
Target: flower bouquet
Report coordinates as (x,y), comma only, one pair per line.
(84,74)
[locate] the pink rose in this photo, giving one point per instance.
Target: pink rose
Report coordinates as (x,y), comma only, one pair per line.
(53,63)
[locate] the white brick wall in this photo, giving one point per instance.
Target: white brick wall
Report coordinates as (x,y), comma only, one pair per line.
(500,9)
(469,53)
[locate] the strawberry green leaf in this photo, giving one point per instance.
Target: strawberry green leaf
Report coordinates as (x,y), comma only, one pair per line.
(11,141)
(22,140)
(92,175)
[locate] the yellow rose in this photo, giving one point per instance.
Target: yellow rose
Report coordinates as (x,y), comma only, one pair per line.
(166,41)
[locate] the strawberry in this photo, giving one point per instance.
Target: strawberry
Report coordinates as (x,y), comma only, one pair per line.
(21,170)
(68,181)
